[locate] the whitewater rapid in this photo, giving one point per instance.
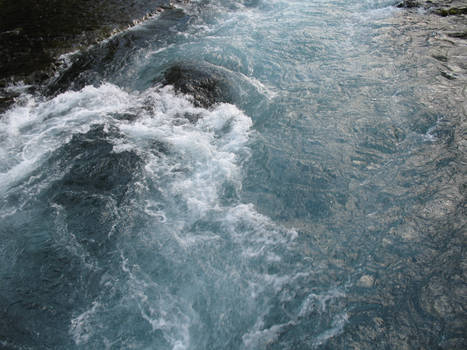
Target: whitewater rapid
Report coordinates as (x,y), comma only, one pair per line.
(316,205)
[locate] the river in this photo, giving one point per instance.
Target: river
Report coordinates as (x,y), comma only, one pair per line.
(307,191)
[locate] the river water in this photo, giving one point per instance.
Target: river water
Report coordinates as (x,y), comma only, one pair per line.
(321,208)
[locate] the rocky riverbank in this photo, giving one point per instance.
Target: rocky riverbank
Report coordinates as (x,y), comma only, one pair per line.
(442,7)
(34,34)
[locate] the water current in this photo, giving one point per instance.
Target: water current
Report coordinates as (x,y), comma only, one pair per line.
(318,205)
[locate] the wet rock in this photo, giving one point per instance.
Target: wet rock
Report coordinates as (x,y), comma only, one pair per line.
(94,185)
(96,168)
(461,35)
(409,4)
(204,83)
(442,8)
(453,11)
(447,75)
(441,58)
(6,100)
(34,33)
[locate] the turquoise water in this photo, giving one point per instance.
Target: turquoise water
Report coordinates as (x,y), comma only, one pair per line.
(320,209)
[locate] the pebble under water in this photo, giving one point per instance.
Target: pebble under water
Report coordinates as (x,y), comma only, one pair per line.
(242,174)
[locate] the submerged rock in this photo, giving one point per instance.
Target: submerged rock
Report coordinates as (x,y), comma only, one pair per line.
(207,85)
(68,241)
(93,186)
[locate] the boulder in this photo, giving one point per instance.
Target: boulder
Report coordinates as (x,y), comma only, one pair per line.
(204,83)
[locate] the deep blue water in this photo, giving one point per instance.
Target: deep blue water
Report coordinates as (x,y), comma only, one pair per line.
(321,209)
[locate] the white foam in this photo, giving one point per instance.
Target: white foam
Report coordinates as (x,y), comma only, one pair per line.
(81,328)
(154,209)
(258,339)
(32,130)
(161,309)
(184,174)
(209,151)
(308,305)
(257,233)
(337,328)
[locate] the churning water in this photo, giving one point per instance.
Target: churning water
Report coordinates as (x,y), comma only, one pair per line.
(321,208)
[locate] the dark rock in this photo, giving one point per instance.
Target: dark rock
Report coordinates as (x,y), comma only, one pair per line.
(6,100)
(440,58)
(409,4)
(441,7)
(204,83)
(34,33)
(447,75)
(96,168)
(458,35)
(100,62)
(453,11)
(94,185)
